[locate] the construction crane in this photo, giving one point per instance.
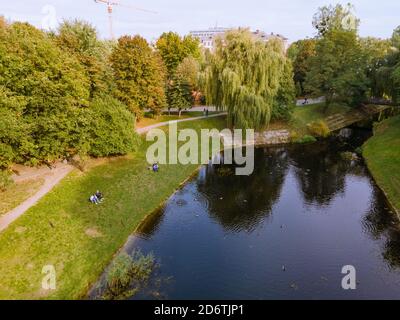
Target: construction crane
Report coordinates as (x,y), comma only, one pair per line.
(111,4)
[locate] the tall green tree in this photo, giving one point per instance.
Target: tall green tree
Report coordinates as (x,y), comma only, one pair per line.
(139,75)
(386,75)
(179,94)
(188,70)
(338,17)
(375,52)
(396,38)
(183,85)
(44,92)
(243,76)
(174,49)
(305,49)
(284,101)
(338,68)
(80,39)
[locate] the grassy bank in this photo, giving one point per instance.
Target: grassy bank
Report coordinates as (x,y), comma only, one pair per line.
(382,154)
(18,193)
(79,238)
(303,115)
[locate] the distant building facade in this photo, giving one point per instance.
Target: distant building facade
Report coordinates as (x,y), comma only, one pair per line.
(263,36)
(207,37)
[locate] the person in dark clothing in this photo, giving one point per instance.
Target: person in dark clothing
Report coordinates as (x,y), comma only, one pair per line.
(99,195)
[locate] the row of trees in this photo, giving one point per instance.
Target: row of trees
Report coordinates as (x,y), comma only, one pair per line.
(68,92)
(339,64)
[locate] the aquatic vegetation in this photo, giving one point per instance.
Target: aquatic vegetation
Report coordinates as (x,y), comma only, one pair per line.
(306,139)
(319,128)
(128,274)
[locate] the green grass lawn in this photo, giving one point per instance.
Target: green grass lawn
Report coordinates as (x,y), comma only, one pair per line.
(18,193)
(79,238)
(304,115)
(382,154)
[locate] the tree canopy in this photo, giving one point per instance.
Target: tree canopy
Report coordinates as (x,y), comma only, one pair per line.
(46,106)
(305,49)
(338,68)
(139,75)
(338,17)
(80,39)
(396,38)
(174,49)
(243,76)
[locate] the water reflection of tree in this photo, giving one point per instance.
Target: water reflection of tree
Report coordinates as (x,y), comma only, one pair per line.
(151,224)
(241,203)
(321,173)
(379,223)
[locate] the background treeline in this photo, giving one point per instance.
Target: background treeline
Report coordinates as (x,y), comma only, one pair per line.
(68,93)
(340,65)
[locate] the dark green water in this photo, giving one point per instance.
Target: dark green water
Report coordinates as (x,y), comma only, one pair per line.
(285,232)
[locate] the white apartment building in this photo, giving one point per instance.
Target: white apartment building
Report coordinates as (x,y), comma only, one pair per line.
(207,37)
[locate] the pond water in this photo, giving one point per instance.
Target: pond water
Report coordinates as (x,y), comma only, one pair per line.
(285,232)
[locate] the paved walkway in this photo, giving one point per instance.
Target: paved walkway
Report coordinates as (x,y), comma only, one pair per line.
(162,124)
(53,176)
(310,101)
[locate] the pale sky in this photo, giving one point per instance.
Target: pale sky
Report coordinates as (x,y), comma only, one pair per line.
(292,18)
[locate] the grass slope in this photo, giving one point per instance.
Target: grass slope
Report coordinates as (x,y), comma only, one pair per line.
(78,238)
(18,193)
(382,154)
(303,115)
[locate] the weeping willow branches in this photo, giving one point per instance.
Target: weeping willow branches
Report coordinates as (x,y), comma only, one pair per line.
(243,77)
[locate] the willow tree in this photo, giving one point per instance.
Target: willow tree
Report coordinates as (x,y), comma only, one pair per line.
(243,77)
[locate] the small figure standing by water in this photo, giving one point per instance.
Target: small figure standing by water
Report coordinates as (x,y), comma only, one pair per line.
(156,167)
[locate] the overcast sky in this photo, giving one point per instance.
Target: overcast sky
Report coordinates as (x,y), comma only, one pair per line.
(291,18)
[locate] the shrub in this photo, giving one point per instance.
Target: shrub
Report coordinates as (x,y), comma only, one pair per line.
(111,129)
(127,274)
(319,128)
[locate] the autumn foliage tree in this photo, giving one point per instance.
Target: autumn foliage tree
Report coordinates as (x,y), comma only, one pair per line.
(139,75)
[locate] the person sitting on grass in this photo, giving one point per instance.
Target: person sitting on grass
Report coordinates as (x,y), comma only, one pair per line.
(93,199)
(99,195)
